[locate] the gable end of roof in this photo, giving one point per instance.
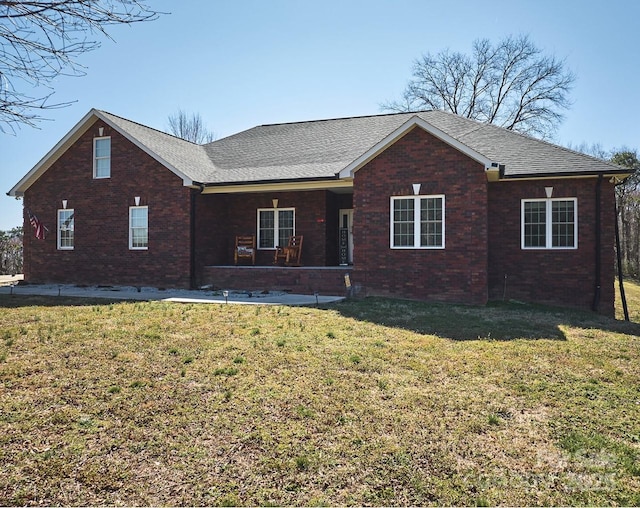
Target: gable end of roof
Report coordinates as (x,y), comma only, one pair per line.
(409,125)
(72,136)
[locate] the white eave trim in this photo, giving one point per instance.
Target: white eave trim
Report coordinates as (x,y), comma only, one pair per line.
(283,186)
(52,155)
(186,181)
(412,123)
(71,137)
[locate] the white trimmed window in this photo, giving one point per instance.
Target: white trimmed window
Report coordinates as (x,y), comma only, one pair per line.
(102,157)
(65,229)
(275,226)
(138,227)
(550,223)
(417,222)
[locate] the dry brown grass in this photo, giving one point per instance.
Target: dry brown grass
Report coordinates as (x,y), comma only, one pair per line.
(373,402)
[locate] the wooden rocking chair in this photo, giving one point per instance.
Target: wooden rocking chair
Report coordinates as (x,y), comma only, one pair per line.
(245,249)
(291,253)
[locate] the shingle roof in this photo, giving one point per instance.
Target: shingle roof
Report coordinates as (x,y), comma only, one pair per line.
(185,157)
(321,149)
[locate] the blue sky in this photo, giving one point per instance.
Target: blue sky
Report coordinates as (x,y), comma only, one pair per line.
(243,63)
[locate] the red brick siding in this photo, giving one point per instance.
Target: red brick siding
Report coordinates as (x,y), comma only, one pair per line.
(305,280)
(557,277)
(101,254)
(457,273)
(220,217)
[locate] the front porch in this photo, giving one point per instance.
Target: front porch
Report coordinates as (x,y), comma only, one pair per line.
(325,280)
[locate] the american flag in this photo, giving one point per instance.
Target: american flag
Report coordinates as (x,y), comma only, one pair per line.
(40,228)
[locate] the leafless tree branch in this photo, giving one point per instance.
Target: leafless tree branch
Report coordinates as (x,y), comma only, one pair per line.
(511,84)
(190,127)
(41,40)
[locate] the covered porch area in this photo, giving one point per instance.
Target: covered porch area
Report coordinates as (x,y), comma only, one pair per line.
(319,212)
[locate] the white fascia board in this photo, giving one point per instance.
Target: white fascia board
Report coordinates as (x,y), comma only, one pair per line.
(52,155)
(409,125)
(342,184)
(71,137)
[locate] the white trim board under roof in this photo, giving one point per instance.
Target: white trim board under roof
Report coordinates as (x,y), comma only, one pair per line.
(295,155)
(408,126)
(80,128)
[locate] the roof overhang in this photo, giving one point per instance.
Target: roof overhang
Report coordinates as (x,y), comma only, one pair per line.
(70,138)
(491,167)
(332,184)
(613,174)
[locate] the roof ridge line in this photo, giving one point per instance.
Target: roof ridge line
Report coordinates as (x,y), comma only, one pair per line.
(346,118)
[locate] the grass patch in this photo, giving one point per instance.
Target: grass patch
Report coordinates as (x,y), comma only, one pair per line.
(367,402)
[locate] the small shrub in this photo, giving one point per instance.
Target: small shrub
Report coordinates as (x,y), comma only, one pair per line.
(331,335)
(114,389)
(225,371)
(238,359)
(302,462)
(187,360)
(304,412)
(494,419)
(136,384)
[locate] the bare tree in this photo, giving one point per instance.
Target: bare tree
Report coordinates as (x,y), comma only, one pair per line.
(41,40)
(628,201)
(190,127)
(11,251)
(511,84)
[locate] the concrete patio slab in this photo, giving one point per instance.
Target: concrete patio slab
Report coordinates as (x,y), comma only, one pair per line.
(12,286)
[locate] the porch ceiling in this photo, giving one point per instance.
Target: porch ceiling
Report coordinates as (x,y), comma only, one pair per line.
(342,186)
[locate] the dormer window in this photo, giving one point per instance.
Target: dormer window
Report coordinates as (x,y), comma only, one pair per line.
(102,157)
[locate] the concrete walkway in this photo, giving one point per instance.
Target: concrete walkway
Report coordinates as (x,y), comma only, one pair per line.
(9,285)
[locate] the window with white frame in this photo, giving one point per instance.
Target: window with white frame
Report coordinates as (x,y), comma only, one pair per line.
(65,229)
(275,226)
(138,227)
(417,222)
(550,223)
(102,157)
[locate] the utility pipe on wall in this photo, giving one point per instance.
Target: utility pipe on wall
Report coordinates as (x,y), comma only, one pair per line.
(596,294)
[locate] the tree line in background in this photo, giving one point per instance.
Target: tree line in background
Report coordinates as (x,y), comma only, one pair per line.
(628,204)
(11,251)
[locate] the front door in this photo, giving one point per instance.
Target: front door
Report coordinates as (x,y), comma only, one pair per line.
(345,237)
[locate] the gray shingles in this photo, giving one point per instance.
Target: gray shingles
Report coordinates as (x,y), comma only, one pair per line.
(321,148)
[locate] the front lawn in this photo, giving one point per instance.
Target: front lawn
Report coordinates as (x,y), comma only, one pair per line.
(368,402)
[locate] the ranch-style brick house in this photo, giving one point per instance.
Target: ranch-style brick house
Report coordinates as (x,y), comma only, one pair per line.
(427,205)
